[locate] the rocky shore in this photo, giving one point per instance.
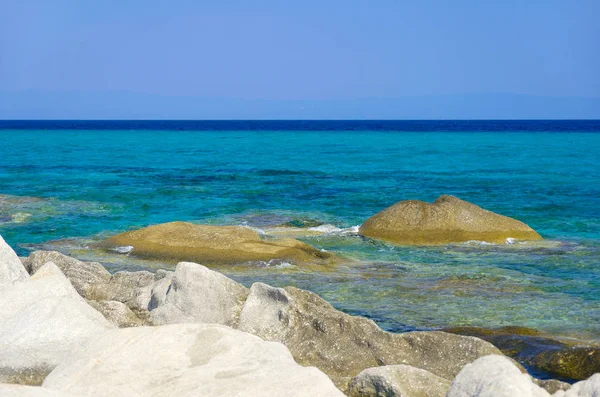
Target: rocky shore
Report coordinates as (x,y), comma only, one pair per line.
(71,328)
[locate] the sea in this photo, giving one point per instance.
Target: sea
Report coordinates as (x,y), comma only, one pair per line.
(65,184)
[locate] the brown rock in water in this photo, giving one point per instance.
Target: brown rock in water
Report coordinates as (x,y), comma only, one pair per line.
(182,241)
(545,355)
(447,220)
(570,363)
(342,345)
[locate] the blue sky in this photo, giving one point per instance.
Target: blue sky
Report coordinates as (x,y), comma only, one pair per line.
(306,59)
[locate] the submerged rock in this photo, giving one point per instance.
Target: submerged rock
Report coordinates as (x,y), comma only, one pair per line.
(447,220)
(200,295)
(11,268)
(545,355)
(397,381)
(41,321)
(82,275)
(570,362)
(186,360)
(182,241)
(342,345)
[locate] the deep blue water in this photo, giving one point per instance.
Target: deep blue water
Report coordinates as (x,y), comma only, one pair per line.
(80,180)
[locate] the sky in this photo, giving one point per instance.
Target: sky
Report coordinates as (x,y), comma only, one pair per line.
(132,59)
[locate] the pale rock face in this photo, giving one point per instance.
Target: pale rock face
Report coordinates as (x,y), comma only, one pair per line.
(342,345)
(41,321)
(131,288)
(160,288)
(186,360)
(585,388)
(198,295)
(494,376)
(397,381)
(117,313)
(83,275)
(11,390)
(11,268)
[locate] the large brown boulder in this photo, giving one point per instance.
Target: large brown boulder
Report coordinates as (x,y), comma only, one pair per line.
(342,345)
(447,220)
(182,241)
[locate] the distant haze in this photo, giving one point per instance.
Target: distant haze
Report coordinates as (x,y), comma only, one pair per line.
(351,59)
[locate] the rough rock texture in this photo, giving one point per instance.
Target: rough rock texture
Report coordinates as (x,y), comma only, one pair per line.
(83,275)
(586,388)
(545,355)
(181,241)
(117,313)
(11,268)
(161,286)
(131,288)
(200,295)
(342,345)
(447,220)
(41,320)
(494,376)
(10,390)
(397,381)
(186,360)
(551,385)
(570,362)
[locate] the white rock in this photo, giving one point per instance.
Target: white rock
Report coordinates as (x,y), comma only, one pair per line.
(117,313)
(585,388)
(11,268)
(158,294)
(200,295)
(130,288)
(84,276)
(184,360)
(41,320)
(494,376)
(11,390)
(397,381)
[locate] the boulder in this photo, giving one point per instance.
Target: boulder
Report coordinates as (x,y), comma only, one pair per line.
(494,376)
(83,275)
(41,321)
(117,313)
(182,241)
(586,388)
(158,294)
(397,381)
(447,220)
(570,362)
(198,295)
(131,288)
(186,360)
(12,390)
(342,345)
(11,268)
(544,355)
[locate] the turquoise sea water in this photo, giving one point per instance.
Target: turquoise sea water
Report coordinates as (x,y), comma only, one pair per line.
(78,184)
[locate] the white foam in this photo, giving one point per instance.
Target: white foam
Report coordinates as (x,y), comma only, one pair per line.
(123,250)
(257,230)
(510,241)
(325,229)
(284,265)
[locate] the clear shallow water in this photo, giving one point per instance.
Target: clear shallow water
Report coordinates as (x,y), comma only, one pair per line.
(84,182)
